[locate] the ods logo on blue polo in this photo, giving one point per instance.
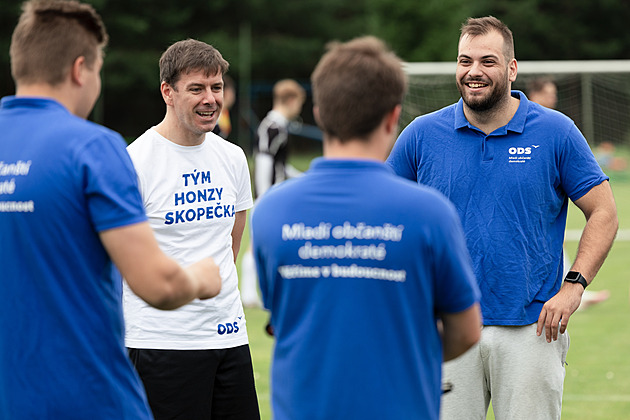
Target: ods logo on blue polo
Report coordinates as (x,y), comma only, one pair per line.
(520,150)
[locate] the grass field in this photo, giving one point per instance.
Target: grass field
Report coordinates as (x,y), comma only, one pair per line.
(597,384)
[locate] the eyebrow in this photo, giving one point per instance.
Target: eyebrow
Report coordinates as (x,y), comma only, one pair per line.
(198,84)
(482,58)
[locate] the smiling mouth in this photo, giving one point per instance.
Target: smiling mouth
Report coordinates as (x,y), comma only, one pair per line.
(475,85)
(205,114)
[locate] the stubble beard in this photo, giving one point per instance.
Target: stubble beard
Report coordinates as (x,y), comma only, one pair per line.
(485,103)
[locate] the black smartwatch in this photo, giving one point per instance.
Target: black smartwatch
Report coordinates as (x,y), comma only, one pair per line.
(576,277)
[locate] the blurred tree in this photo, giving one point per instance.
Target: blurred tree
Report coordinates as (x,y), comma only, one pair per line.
(8,20)
(564,29)
(420,32)
(288,37)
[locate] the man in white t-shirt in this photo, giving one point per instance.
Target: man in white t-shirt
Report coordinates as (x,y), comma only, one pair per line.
(194,362)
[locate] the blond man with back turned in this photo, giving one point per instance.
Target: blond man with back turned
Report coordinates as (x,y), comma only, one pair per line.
(73,210)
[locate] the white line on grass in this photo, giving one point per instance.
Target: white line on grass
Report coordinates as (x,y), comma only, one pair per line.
(596,398)
(574,235)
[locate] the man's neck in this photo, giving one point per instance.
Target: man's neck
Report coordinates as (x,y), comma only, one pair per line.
(44,90)
(173,132)
(498,116)
(355,149)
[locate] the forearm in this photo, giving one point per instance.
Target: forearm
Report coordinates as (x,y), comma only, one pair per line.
(598,206)
(595,243)
(460,331)
(168,286)
(237,232)
(153,276)
(177,286)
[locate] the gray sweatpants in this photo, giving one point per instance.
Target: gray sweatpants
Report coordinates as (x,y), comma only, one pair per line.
(520,372)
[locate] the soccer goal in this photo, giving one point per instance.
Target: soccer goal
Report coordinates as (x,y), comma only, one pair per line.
(595,94)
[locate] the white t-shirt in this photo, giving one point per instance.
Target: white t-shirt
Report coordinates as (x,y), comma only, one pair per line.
(191,195)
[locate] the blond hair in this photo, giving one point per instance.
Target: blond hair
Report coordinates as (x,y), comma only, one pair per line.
(49,37)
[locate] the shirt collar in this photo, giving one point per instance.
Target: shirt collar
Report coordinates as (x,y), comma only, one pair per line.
(9,102)
(516,124)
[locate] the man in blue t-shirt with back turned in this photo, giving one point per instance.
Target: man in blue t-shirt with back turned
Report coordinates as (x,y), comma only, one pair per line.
(69,208)
(509,166)
(366,274)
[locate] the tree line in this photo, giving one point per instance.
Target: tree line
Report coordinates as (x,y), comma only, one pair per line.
(266,40)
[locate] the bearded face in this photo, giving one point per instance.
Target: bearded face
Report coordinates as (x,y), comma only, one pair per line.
(483,75)
(482,94)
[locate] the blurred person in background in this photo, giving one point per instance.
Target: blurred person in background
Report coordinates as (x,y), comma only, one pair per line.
(271,164)
(543,90)
(224,124)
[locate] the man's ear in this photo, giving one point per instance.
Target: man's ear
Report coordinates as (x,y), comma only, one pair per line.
(512,70)
(316,115)
(76,71)
(391,119)
(167,93)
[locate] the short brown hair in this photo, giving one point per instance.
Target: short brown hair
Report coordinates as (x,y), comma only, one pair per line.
(483,25)
(287,89)
(354,85)
(190,55)
(50,36)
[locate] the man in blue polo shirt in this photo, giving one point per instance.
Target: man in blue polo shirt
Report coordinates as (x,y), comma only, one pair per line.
(357,266)
(69,208)
(510,166)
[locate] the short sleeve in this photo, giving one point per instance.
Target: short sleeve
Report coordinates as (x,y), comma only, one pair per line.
(110,183)
(402,158)
(579,170)
(244,200)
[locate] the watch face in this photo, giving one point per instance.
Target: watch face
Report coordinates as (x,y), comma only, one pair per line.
(572,275)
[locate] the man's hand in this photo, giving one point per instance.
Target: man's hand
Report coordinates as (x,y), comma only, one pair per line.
(206,277)
(557,310)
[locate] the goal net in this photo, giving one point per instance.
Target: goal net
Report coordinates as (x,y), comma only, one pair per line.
(595,94)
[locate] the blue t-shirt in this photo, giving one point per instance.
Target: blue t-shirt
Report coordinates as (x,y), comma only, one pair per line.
(62,181)
(354,264)
(510,188)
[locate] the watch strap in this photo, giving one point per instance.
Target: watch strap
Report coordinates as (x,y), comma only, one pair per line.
(576,277)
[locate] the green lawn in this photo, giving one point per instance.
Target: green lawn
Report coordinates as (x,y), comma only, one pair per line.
(261,346)
(597,384)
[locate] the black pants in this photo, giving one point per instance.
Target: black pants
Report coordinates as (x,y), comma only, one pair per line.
(198,384)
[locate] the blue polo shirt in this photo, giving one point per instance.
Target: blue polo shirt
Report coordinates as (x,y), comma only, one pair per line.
(354,264)
(62,181)
(511,189)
